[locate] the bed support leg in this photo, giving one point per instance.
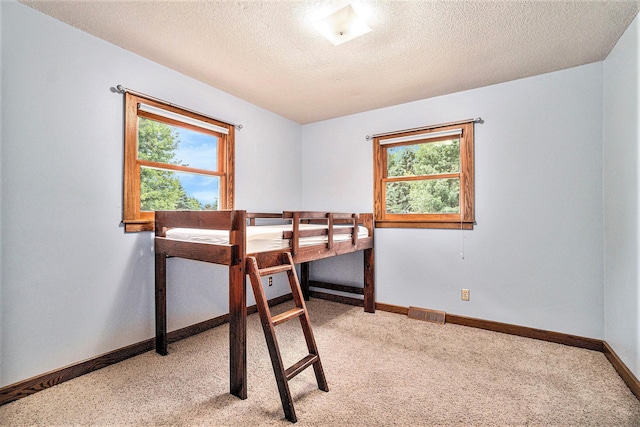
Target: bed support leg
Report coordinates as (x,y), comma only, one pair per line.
(238,331)
(161,304)
(238,308)
(304,280)
(369,281)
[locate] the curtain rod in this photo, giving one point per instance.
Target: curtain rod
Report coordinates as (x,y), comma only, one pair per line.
(121,89)
(476,120)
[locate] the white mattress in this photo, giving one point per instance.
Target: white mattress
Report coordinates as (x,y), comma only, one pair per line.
(261,238)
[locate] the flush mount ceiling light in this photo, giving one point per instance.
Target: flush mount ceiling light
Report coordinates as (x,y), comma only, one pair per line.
(342,26)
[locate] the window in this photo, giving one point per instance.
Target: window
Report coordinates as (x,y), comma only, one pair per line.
(424,178)
(174,159)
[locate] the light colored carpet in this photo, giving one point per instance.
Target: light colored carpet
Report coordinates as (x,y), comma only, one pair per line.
(382,369)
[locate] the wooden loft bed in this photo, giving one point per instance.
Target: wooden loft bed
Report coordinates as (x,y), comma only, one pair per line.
(331,234)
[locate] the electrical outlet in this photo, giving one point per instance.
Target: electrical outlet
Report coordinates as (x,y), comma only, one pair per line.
(270,280)
(465,295)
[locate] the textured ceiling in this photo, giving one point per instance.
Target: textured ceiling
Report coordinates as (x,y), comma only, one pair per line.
(267,53)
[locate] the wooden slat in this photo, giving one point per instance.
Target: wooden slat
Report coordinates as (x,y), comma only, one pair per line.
(317,215)
(217,254)
(330,231)
(343,215)
(317,232)
(300,366)
(304,214)
(214,220)
(354,233)
(337,287)
(286,316)
(337,298)
(295,237)
(312,253)
(263,215)
(274,270)
(305,233)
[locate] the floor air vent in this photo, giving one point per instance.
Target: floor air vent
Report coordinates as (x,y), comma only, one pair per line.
(433,316)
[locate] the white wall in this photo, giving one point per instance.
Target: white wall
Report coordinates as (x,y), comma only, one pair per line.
(74,285)
(622,198)
(535,256)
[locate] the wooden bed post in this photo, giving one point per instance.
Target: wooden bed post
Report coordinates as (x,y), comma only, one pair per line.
(161,303)
(238,309)
(369,281)
(304,280)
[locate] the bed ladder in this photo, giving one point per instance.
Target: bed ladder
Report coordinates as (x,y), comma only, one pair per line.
(268,325)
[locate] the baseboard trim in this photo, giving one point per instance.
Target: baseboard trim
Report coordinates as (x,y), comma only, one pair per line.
(40,382)
(392,308)
(523,331)
(556,337)
(622,370)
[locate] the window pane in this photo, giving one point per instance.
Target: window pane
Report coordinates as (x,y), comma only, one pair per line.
(160,142)
(169,190)
(426,158)
(437,196)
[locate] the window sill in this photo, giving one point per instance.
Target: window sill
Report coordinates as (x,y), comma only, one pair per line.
(465,225)
(134,226)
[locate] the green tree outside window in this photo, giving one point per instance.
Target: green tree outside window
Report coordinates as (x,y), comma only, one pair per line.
(162,189)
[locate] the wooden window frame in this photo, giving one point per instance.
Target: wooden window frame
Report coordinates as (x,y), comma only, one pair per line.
(134,219)
(463,220)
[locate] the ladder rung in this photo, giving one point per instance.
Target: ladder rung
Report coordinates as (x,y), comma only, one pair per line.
(287,315)
(274,270)
(301,366)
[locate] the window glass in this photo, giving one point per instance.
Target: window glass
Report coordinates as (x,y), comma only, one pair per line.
(425,158)
(165,143)
(166,190)
(433,196)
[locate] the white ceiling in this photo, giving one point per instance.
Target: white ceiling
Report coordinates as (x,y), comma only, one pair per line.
(267,53)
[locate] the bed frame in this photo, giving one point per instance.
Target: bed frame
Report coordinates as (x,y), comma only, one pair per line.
(234,256)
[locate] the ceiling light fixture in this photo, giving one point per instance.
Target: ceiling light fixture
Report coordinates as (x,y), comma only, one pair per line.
(342,26)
